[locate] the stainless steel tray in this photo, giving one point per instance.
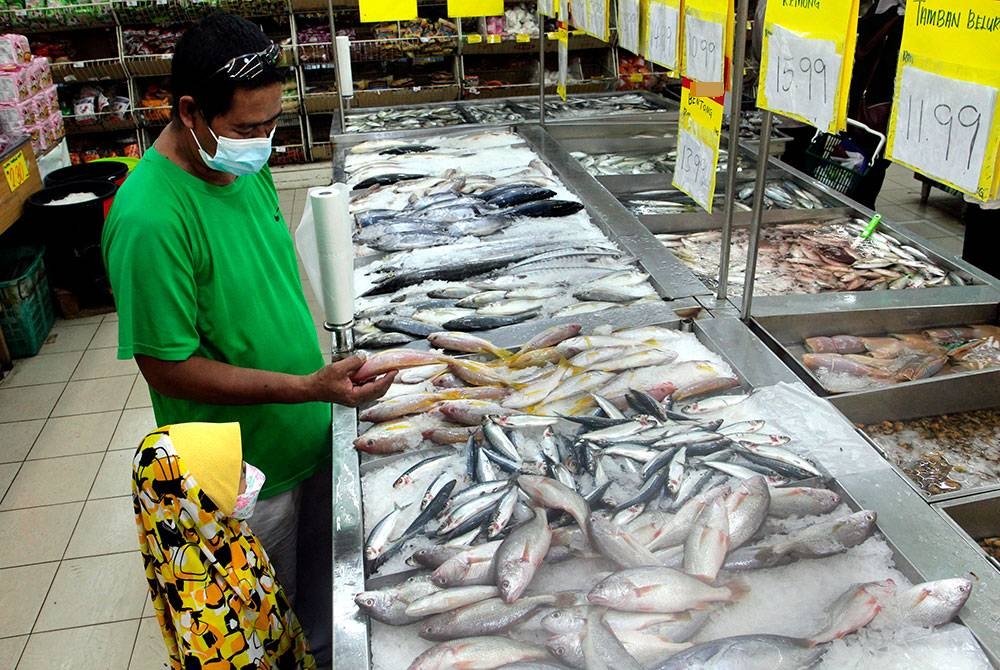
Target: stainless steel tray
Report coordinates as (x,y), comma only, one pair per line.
(785,333)
(975,517)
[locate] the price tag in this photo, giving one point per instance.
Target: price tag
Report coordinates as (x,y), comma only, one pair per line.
(523,38)
(460,8)
(942,126)
(474,38)
(15,170)
(636,77)
(548,7)
(628,25)
(494,39)
(663,32)
(695,170)
(594,19)
(373,11)
(802,77)
(562,53)
(704,48)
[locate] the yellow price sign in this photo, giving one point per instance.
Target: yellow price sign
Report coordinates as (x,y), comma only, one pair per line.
(459,8)
(474,38)
(523,38)
(707,42)
(15,170)
(661,32)
(944,121)
(699,133)
(593,17)
(494,39)
(636,78)
(807,54)
(387,10)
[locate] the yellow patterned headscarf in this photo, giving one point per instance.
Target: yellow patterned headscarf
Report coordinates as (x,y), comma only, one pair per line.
(212,585)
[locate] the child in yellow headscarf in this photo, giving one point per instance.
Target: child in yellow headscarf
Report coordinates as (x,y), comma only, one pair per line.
(213,588)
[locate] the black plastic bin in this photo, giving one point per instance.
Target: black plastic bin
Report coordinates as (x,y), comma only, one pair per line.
(71,234)
(98,171)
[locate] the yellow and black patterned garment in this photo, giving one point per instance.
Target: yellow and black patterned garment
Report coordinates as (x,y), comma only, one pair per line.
(213,588)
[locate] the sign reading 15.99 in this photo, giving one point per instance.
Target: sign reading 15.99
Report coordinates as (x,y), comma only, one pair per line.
(803,76)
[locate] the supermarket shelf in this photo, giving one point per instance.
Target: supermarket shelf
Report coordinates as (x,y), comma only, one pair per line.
(402,47)
(320,103)
(156,65)
(106,122)
(601,85)
(142,12)
(388,97)
(510,45)
(52,19)
(88,70)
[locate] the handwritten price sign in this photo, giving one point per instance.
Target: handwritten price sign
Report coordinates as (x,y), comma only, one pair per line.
(663,32)
(704,49)
(802,77)
(387,10)
(695,169)
(628,25)
(15,171)
(942,126)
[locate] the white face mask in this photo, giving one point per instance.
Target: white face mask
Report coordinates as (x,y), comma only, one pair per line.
(238,157)
(246,501)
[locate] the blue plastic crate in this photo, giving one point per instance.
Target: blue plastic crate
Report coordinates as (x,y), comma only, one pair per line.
(26,313)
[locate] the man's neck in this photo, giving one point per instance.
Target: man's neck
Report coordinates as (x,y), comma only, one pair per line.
(177,143)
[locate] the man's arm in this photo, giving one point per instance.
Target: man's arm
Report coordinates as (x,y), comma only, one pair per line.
(204,380)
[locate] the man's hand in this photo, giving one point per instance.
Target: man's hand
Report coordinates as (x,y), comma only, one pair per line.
(333,383)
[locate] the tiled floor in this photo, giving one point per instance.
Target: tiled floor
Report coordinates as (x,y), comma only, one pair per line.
(72,591)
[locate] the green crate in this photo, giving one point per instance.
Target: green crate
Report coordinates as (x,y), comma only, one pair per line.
(26,313)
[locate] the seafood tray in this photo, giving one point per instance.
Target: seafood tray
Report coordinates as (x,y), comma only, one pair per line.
(941,438)
(977,518)
(894,336)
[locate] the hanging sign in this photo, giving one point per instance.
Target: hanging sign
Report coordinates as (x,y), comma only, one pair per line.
(944,121)
(387,10)
(662,30)
(549,8)
(461,8)
(704,49)
(592,17)
(628,25)
(807,54)
(699,134)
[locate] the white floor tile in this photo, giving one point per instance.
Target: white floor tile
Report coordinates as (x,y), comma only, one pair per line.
(28,402)
(42,369)
(106,336)
(94,395)
(132,427)
(107,646)
(10,651)
(42,533)
(94,590)
(68,338)
(22,592)
(150,652)
(52,481)
(106,526)
(115,476)
(98,363)
(16,439)
(71,435)
(139,397)
(7,473)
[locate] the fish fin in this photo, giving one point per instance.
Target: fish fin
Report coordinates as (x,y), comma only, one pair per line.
(644,590)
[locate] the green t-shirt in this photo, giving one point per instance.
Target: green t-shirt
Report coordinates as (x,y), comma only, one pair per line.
(205,270)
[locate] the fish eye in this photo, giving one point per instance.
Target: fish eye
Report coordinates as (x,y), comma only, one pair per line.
(369,601)
(505,583)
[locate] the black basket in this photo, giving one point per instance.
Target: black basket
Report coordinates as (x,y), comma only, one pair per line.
(819,164)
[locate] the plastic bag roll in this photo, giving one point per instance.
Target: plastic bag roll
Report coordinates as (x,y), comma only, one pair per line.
(335,251)
(345,76)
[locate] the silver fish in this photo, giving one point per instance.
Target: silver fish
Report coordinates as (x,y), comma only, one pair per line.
(520,554)
(934,603)
(747,652)
(389,605)
(660,590)
(708,542)
(378,538)
(554,495)
(746,508)
(801,501)
(486,617)
(618,545)
(450,599)
(472,566)
(854,609)
(601,649)
(488,651)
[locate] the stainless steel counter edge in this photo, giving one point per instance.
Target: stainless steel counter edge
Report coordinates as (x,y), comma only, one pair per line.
(824,303)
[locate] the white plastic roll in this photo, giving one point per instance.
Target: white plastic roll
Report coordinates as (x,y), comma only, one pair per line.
(335,251)
(345,76)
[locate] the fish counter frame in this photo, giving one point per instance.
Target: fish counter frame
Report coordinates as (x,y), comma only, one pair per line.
(923,542)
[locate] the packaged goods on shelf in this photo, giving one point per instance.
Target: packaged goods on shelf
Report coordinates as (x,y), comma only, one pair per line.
(151,41)
(14,50)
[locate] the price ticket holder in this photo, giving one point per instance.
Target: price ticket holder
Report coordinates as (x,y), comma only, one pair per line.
(944,122)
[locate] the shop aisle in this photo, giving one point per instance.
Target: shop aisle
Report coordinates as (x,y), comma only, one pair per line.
(72,591)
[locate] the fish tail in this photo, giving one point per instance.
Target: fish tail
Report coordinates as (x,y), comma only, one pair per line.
(503,354)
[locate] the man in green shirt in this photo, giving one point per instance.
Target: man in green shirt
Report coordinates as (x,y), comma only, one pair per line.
(211,306)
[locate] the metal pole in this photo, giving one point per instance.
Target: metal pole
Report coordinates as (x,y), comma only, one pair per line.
(541,68)
(758,211)
(333,48)
(735,105)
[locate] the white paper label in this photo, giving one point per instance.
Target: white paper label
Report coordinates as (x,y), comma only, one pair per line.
(547,7)
(802,76)
(703,49)
(596,17)
(628,25)
(693,173)
(942,126)
(664,24)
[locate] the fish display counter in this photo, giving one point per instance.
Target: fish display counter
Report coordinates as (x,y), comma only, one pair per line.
(626,106)
(976,517)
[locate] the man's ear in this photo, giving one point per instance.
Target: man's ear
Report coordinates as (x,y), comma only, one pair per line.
(186,108)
